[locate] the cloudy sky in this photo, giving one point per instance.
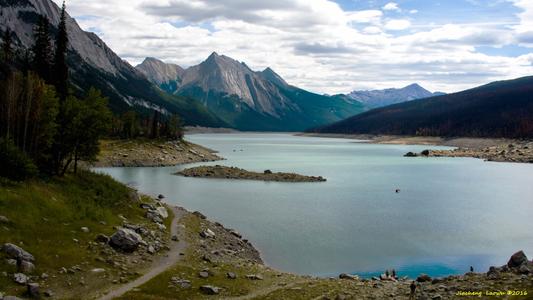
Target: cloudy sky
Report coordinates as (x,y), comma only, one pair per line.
(328,46)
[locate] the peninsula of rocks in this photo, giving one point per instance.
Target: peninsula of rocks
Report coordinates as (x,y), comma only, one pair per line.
(225,172)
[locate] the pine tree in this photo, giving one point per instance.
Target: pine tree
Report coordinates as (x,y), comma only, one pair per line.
(60,63)
(7,44)
(42,49)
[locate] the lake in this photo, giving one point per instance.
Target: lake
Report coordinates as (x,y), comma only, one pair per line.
(450,214)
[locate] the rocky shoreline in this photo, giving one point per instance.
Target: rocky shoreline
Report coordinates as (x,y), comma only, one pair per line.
(220,263)
(518,152)
(151,153)
(225,172)
(489,149)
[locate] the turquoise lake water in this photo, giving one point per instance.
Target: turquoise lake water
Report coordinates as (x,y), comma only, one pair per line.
(451,213)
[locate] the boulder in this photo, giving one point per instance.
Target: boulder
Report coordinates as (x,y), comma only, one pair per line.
(147,206)
(126,240)
(84,229)
(231,275)
(162,212)
(160,197)
(154,216)
(4,219)
(348,276)
(208,233)
(517,260)
(410,154)
(425,152)
(423,278)
(26,267)
(199,215)
(14,251)
(203,274)
(11,262)
(34,290)
(134,196)
(20,278)
(209,289)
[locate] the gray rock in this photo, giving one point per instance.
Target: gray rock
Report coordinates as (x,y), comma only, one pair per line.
(154,216)
(20,278)
(203,274)
(147,206)
(150,249)
(254,277)
(26,267)
(4,219)
(14,251)
(134,196)
(423,278)
(517,260)
(126,240)
(98,270)
(49,293)
(231,275)
(183,283)
(524,269)
(348,276)
(34,290)
(162,212)
(84,229)
(160,196)
(210,290)
(208,233)
(175,238)
(11,262)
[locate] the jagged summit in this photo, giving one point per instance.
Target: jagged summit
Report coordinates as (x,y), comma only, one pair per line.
(259,100)
(379,98)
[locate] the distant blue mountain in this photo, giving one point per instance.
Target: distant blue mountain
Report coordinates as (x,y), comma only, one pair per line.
(380,98)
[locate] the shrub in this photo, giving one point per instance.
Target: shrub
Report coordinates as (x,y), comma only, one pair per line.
(15,165)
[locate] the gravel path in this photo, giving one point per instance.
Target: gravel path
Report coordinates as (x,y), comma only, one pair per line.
(159,265)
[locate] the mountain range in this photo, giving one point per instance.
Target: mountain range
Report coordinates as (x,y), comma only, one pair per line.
(247,99)
(379,98)
(498,109)
(93,63)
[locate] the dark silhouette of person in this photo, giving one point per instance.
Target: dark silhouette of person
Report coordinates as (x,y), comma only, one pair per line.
(397,191)
(387,273)
(413,290)
(471,269)
(393,273)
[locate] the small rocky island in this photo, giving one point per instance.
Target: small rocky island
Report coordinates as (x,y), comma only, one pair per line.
(236,173)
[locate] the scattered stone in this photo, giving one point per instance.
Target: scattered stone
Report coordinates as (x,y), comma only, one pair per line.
(102,238)
(126,240)
(203,274)
(85,229)
(98,270)
(160,196)
(183,283)
(254,277)
(150,249)
(134,196)
(26,267)
(20,278)
(423,278)
(4,219)
(147,206)
(175,238)
(34,290)
(11,261)
(517,260)
(14,251)
(410,154)
(348,276)
(154,216)
(49,293)
(231,275)
(210,290)
(208,233)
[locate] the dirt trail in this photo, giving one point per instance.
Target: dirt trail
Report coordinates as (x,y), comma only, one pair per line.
(159,265)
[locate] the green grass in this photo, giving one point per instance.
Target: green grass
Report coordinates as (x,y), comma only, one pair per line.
(47,215)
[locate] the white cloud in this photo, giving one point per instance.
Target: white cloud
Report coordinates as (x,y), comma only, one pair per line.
(413,11)
(391,6)
(397,24)
(313,44)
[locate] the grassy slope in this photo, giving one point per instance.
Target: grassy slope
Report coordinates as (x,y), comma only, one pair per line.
(46,216)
